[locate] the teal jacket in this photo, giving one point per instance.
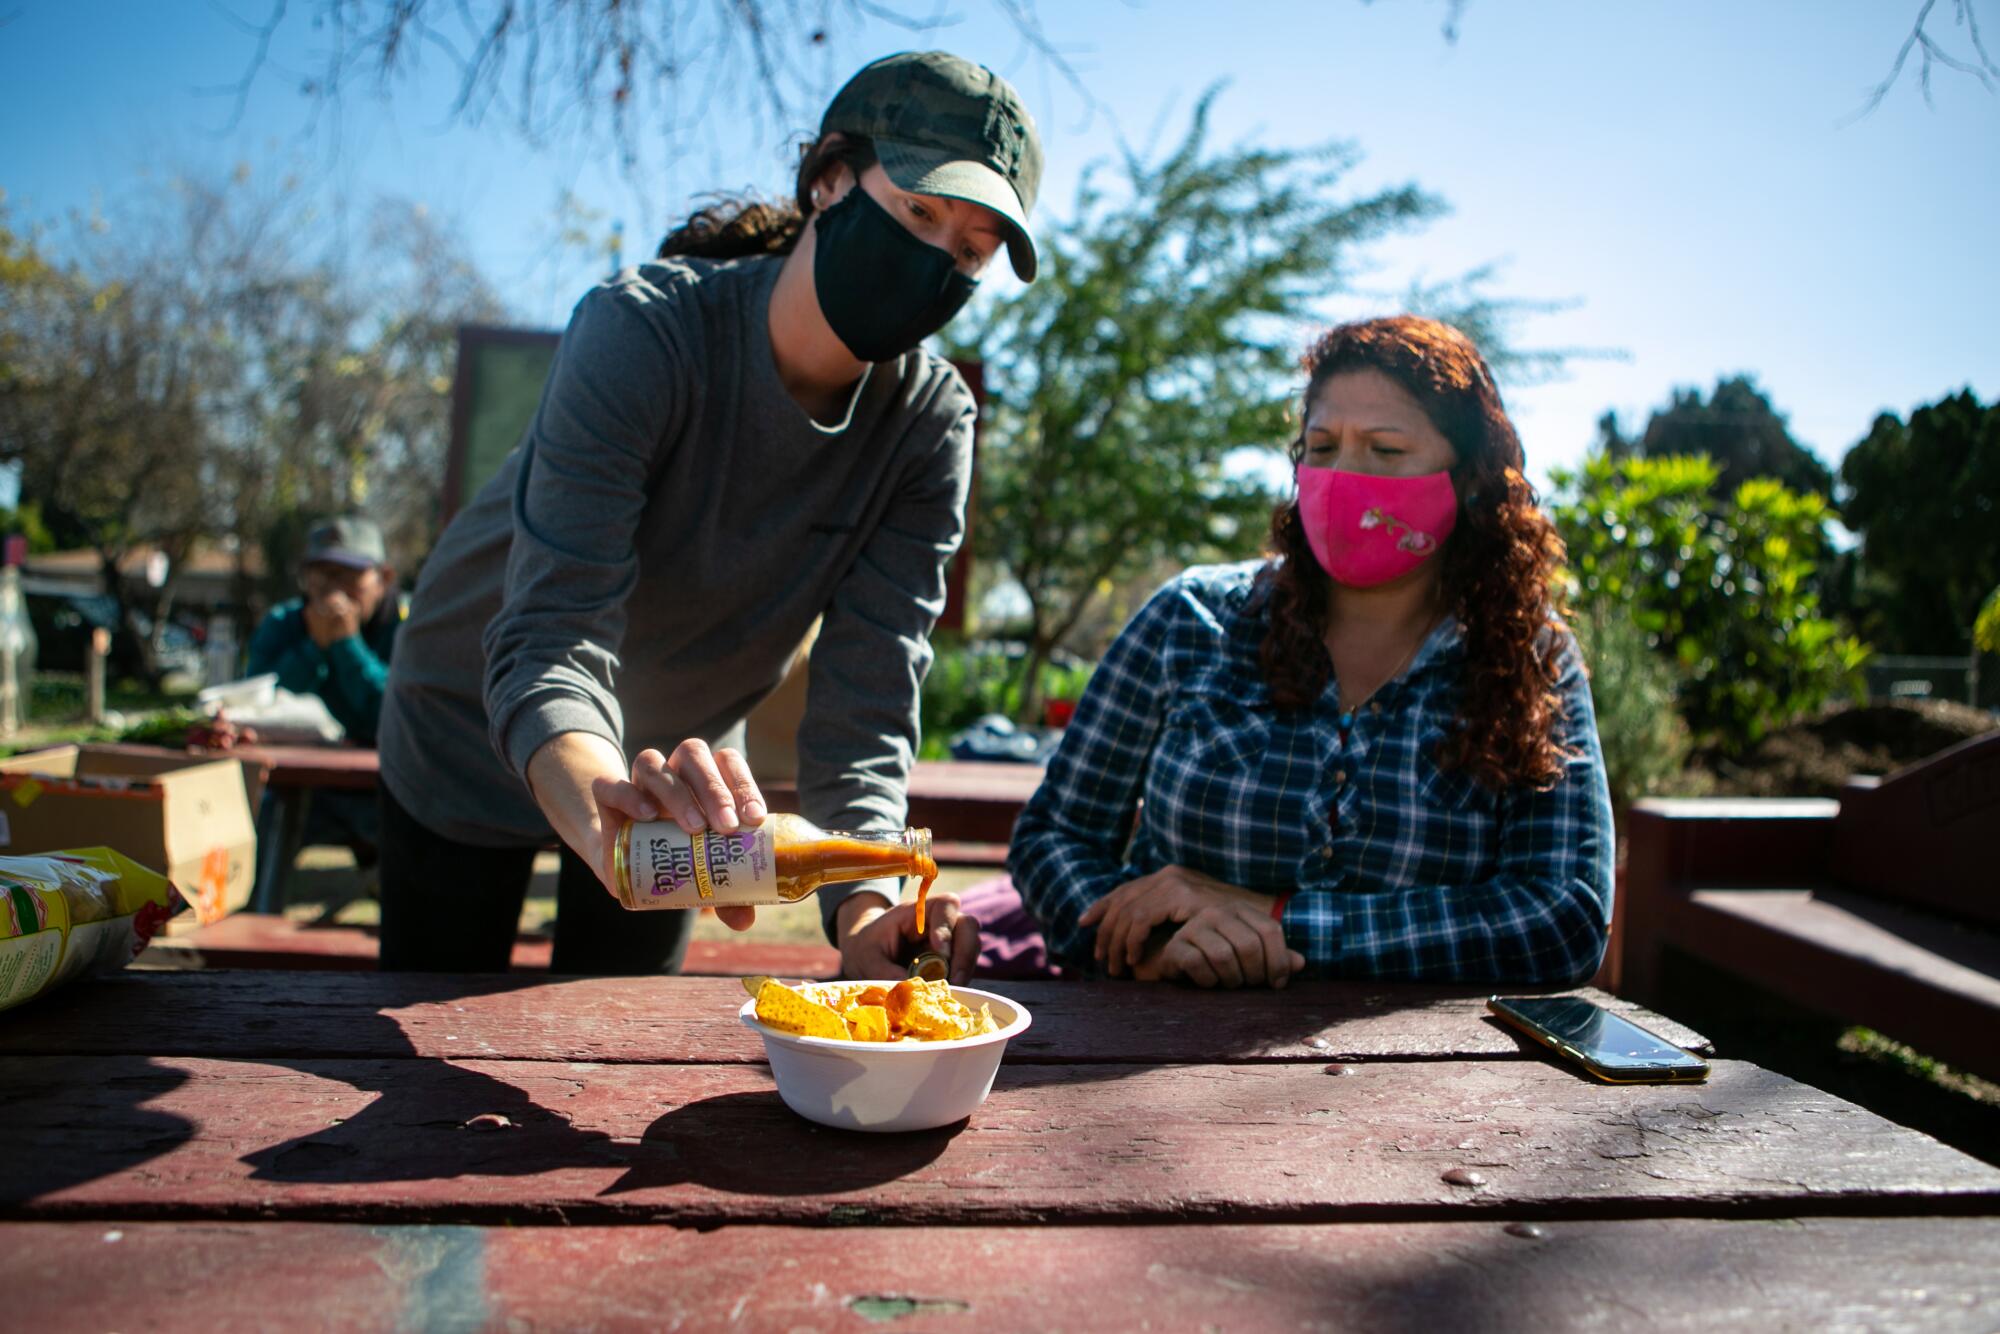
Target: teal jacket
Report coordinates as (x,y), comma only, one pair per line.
(349,674)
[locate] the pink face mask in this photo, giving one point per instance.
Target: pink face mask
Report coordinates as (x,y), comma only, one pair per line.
(1367,530)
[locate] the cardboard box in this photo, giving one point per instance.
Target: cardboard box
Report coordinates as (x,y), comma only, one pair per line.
(190,816)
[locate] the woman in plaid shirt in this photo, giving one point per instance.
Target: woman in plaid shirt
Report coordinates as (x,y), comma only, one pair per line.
(1372,755)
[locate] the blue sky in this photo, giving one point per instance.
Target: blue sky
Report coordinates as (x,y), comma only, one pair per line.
(1685,174)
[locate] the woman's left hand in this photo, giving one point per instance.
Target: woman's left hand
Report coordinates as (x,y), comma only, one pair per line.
(1125,917)
(877,942)
(1225,945)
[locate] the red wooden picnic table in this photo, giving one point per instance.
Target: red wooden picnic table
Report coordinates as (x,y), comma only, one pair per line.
(363,1150)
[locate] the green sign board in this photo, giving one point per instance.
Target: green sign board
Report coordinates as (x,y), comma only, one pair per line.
(494,393)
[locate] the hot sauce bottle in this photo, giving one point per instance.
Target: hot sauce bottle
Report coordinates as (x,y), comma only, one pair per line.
(657,864)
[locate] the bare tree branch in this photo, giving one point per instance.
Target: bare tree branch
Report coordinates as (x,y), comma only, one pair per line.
(263,33)
(562,67)
(1931,52)
(1454,12)
(1920,41)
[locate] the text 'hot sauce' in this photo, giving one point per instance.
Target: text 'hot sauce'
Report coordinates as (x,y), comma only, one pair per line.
(658,864)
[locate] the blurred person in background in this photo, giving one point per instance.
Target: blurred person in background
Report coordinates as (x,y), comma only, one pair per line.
(335,641)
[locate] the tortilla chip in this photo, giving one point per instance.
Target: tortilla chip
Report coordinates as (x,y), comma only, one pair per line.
(780,1007)
(927,1010)
(868,1023)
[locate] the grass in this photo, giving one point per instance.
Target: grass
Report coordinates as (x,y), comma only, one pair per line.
(1870,1045)
(56,704)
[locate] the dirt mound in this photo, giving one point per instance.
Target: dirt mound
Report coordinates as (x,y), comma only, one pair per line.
(1814,757)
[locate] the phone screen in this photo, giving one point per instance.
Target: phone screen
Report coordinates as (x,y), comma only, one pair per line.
(1606,1041)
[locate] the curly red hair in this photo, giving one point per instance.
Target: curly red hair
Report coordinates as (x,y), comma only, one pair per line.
(1498,565)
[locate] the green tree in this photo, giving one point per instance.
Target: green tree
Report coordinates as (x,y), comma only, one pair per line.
(217,361)
(26,520)
(1723,587)
(1736,426)
(100,381)
(1161,335)
(1925,498)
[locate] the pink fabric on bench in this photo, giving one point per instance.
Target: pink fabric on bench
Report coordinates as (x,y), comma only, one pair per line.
(1011,946)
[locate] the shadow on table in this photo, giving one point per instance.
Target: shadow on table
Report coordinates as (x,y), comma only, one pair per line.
(1389,1278)
(752,1144)
(434,1118)
(81,1124)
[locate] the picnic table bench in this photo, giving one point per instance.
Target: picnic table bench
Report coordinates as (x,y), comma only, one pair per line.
(1882,908)
(422,1151)
(971,805)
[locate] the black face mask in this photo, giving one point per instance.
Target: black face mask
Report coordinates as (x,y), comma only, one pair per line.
(883,290)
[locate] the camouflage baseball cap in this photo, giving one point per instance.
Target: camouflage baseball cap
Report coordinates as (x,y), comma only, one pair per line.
(349,540)
(945,126)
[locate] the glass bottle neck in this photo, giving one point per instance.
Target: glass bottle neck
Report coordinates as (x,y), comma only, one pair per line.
(838,857)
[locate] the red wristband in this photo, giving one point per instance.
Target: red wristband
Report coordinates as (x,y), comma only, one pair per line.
(1278,907)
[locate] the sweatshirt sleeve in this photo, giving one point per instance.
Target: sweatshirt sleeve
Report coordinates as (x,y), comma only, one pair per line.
(858,738)
(552,649)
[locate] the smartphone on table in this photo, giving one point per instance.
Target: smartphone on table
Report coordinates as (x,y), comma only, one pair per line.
(1612,1049)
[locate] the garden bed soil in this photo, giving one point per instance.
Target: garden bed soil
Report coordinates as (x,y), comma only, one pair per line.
(1816,756)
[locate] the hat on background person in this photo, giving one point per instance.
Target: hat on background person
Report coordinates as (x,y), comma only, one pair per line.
(348,540)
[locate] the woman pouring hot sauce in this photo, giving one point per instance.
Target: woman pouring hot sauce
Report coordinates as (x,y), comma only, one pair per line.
(736,440)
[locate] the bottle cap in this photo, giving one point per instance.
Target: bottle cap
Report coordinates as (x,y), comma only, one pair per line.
(930,966)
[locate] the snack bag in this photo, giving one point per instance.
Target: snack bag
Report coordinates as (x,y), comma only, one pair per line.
(63,914)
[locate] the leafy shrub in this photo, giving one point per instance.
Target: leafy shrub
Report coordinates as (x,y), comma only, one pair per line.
(1986,630)
(1646,745)
(969,679)
(167,728)
(1724,587)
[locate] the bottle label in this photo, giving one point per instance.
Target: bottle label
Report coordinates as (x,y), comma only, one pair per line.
(671,868)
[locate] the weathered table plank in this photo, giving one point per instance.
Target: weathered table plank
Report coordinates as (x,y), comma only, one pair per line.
(1678,1274)
(491,1141)
(508,1017)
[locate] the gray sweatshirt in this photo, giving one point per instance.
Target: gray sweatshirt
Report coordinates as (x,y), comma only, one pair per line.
(646,561)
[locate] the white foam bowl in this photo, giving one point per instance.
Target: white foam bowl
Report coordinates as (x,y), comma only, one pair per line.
(889,1086)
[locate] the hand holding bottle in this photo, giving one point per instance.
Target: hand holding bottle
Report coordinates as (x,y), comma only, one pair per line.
(699,788)
(696,787)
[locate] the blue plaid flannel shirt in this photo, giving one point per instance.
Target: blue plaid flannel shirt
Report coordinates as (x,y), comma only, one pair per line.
(1397,868)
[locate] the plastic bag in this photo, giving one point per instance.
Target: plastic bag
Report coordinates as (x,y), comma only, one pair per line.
(64,914)
(278,715)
